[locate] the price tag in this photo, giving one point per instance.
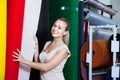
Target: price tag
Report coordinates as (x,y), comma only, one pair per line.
(115,72)
(115,46)
(88,58)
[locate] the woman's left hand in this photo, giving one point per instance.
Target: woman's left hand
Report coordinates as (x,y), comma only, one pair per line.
(18,57)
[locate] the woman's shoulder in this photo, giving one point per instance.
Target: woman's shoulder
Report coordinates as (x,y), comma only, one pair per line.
(65,47)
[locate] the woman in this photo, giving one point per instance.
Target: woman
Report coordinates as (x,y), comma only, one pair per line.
(54,54)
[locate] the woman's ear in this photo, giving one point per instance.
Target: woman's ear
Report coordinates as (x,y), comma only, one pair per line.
(65,32)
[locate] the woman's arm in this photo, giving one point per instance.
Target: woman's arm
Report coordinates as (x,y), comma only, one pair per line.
(53,62)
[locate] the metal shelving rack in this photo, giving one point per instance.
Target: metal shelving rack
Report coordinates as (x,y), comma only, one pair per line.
(89,54)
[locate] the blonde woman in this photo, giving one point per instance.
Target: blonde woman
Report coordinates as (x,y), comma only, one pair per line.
(54,54)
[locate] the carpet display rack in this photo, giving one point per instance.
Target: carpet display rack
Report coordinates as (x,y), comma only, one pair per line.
(99,21)
(96,21)
(114,49)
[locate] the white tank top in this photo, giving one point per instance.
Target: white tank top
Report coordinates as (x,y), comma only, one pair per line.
(57,72)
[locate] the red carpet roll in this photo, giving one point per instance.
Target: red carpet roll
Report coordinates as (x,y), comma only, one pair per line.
(101,57)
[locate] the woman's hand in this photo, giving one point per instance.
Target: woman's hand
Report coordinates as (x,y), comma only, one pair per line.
(18,57)
(36,44)
(36,40)
(36,52)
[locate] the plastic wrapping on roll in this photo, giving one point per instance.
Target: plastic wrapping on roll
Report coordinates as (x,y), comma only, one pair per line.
(109,41)
(97,19)
(101,57)
(101,6)
(102,33)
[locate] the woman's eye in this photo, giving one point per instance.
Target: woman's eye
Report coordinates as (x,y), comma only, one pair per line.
(59,28)
(55,26)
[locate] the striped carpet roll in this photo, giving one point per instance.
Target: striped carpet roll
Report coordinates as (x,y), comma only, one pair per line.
(23,22)
(15,14)
(30,25)
(101,57)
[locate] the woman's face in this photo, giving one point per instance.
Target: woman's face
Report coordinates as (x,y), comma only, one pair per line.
(58,28)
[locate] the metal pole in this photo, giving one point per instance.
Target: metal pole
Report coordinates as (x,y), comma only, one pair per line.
(90,53)
(114,53)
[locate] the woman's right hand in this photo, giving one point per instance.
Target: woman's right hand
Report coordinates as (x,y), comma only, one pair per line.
(18,57)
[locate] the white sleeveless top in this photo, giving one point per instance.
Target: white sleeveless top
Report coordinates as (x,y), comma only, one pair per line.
(57,72)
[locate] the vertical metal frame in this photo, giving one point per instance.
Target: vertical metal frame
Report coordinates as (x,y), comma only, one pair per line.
(90,46)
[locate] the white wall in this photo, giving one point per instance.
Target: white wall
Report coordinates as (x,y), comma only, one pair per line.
(116,6)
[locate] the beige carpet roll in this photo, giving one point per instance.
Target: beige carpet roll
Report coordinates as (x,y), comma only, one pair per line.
(101,56)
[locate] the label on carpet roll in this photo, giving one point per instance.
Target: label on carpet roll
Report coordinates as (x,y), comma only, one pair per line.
(115,72)
(115,46)
(88,58)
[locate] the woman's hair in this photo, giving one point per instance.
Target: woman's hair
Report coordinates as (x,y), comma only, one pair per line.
(66,36)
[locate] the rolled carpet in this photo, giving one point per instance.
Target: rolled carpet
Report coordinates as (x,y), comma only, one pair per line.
(101,57)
